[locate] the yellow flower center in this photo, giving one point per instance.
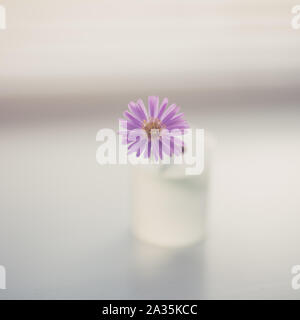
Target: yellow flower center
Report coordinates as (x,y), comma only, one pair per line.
(152,127)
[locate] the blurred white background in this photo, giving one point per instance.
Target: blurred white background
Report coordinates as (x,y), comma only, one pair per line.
(98,46)
(68,68)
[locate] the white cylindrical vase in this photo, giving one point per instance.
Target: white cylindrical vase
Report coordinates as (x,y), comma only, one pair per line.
(168,207)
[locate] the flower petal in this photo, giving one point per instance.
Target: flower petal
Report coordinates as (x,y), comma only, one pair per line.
(171,108)
(153,106)
(140,144)
(136,111)
(167,139)
(131,106)
(125,124)
(183,125)
(133,119)
(166,146)
(137,133)
(175,148)
(170,115)
(147,152)
(143,108)
(175,118)
(160,149)
(162,107)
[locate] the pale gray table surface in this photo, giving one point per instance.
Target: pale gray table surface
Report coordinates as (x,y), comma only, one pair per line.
(65,220)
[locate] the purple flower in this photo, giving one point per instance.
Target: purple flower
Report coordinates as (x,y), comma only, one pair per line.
(156,132)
